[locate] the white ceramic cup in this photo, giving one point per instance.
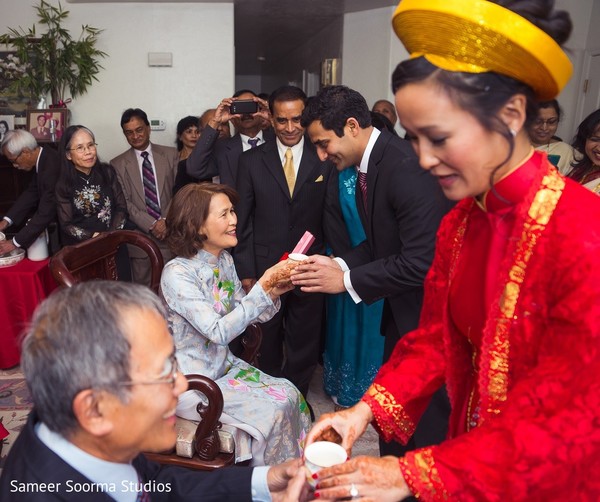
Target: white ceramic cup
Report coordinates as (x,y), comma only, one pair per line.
(297,257)
(322,454)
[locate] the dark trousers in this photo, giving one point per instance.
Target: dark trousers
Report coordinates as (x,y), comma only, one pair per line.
(295,333)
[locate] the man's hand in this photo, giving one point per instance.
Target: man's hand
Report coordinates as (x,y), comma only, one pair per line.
(319,274)
(3,225)
(159,229)
(263,110)
(7,246)
(222,114)
(287,482)
(248,284)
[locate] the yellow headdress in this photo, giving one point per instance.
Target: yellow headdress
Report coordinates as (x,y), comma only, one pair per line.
(477,36)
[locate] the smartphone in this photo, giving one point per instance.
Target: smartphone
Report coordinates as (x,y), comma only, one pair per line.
(243,107)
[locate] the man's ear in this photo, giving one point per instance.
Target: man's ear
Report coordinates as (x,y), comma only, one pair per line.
(92,410)
(514,112)
(353,126)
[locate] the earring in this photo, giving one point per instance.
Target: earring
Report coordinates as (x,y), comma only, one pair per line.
(512,132)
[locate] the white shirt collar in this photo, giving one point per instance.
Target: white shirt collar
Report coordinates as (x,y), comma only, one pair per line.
(119,480)
(364,162)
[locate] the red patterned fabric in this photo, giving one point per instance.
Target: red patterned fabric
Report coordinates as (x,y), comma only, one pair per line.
(524,384)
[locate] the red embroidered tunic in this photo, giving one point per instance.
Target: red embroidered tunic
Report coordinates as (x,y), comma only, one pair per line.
(511,323)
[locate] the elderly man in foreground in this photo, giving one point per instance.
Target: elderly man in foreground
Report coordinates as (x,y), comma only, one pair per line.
(100,364)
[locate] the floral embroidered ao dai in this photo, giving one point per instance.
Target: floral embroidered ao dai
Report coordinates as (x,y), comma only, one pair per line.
(207,309)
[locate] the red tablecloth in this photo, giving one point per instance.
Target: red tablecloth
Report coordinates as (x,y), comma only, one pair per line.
(22,287)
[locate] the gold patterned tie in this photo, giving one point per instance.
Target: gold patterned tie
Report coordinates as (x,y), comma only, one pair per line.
(288,170)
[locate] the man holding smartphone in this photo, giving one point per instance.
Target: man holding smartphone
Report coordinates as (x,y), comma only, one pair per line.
(217,161)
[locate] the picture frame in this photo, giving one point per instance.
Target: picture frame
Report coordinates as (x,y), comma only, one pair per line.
(48,125)
(7,123)
(11,103)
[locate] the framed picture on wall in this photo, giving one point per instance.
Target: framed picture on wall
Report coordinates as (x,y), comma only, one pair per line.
(47,125)
(11,68)
(7,123)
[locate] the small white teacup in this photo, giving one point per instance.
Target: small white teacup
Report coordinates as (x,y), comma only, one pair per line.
(322,454)
(297,257)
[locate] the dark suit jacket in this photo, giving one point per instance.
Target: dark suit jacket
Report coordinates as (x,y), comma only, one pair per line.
(128,171)
(40,197)
(211,158)
(270,222)
(31,461)
(405,206)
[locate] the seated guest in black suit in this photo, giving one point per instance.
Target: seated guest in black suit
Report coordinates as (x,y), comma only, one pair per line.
(188,132)
(99,362)
(22,150)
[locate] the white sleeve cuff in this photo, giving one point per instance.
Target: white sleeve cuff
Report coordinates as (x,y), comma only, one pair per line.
(259,485)
(348,285)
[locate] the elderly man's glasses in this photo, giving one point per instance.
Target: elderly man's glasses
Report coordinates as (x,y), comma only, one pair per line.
(84,148)
(548,122)
(15,161)
(168,375)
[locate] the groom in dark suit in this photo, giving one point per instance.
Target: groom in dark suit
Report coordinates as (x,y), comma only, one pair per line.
(400,206)
(100,365)
(38,200)
(282,187)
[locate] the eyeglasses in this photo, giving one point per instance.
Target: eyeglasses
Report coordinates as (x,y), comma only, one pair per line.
(169,375)
(84,148)
(549,122)
(134,132)
(14,161)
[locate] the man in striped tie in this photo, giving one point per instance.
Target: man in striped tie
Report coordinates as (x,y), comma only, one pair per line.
(147,174)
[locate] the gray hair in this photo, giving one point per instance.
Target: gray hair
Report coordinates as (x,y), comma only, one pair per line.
(76,341)
(17,140)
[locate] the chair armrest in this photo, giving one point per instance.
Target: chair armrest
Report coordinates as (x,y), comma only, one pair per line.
(207,437)
(251,340)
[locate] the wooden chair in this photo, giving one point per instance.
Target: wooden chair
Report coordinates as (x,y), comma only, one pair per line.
(206,441)
(96,258)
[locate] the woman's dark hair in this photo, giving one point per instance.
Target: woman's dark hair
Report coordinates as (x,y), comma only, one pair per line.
(68,172)
(5,124)
(553,103)
(182,125)
(584,132)
(484,94)
(188,212)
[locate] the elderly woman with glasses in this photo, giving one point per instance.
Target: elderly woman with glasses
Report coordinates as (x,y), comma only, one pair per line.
(542,134)
(88,194)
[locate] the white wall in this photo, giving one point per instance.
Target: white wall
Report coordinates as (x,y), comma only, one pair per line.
(200,37)
(371,51)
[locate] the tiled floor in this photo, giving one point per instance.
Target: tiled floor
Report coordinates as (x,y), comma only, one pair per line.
(321,403)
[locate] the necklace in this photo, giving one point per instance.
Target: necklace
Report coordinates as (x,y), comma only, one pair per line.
(85,178)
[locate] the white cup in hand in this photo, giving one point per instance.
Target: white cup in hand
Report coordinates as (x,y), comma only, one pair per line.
(321,454)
